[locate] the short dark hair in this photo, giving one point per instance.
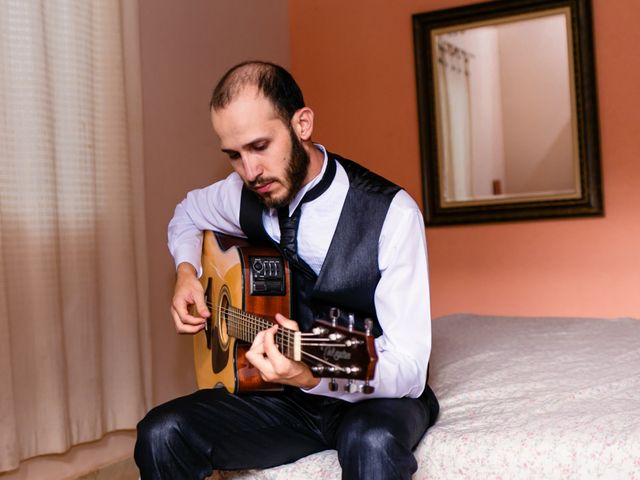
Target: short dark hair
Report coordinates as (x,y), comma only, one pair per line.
(272,80)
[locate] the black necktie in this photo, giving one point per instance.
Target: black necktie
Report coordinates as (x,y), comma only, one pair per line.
(289,224)
(289,232)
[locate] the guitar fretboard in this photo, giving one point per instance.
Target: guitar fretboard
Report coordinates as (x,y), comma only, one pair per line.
(245,326)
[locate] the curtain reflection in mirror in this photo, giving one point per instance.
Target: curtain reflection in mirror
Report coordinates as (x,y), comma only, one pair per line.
(455,110)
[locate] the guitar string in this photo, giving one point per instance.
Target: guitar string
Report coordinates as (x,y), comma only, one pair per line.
(243,330)
(252,319)
(255,321)
(284,339)
(322,360)
(262,324)
(236,314)
(233,313)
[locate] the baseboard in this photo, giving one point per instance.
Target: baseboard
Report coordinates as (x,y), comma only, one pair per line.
(122,470)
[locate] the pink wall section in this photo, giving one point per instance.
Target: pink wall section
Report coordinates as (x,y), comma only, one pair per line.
(185,48)
(354,60)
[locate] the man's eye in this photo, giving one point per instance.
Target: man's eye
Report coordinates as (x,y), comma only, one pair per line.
(260,146)
(233,155)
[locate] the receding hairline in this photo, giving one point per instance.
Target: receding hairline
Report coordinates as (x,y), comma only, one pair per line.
(252,93)
(239,78)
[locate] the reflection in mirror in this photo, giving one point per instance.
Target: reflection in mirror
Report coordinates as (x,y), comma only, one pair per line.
(505,109)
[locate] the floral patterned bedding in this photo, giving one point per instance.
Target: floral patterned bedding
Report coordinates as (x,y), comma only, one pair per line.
(521,398)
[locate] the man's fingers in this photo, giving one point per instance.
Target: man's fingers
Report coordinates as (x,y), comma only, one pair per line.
(263,351)
(258,343)
(181,306)
(269,343)
(255,355)
(287,323)
(258,360)
(182,327)
(273,365)
(201,306)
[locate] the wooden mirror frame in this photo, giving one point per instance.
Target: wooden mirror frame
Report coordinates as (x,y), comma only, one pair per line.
(590,201)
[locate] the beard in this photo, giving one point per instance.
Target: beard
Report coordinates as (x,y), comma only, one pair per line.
(294,175)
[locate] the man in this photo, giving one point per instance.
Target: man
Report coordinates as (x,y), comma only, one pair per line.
(355,241)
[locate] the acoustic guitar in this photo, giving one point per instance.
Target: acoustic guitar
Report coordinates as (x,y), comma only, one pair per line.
(245,286)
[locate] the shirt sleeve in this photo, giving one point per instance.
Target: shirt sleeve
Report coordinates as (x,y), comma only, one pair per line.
(403,308)
(216,207)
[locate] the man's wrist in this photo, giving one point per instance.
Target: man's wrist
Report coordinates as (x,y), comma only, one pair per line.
(310,383)
(185,268)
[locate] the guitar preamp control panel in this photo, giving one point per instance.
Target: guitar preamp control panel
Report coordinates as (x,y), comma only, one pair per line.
(267,275)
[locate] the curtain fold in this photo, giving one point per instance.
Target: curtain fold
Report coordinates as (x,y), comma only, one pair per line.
(74,353)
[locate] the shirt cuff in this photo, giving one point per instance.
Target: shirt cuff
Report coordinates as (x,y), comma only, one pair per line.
(189,256)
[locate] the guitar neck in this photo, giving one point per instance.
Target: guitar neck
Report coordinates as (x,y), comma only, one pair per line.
(245,326)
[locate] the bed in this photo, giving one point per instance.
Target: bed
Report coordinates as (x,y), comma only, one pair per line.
(521,398)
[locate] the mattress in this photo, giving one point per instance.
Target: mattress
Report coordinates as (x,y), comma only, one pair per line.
(521,398)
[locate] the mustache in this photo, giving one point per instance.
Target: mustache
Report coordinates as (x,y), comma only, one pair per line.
(259,181)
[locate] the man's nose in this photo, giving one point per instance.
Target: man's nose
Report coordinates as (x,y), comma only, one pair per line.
(252,168)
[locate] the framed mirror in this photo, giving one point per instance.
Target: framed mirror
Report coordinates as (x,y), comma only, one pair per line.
(508,111)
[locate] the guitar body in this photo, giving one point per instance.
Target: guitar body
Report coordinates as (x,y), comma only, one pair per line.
(237,275)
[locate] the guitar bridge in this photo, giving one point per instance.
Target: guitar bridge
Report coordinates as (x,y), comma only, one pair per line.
(267,275)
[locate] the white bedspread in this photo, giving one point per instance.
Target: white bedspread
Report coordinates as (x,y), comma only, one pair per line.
(522,398)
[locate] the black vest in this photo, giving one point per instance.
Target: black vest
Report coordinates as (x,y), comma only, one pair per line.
(349,274)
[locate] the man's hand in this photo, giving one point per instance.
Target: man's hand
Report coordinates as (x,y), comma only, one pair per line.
(275,367)
(188,291)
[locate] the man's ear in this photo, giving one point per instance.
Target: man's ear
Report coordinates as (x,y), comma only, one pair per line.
(302,123)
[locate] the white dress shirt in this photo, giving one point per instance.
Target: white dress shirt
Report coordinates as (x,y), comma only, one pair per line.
(401,297)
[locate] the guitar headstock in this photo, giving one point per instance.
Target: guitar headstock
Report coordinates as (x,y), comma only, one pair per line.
(335,351)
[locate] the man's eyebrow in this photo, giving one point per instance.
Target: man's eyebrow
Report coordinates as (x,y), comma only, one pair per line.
(246,145)
(256,140)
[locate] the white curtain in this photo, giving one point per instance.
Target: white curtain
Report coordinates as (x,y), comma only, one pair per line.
(74,352)
(455,113)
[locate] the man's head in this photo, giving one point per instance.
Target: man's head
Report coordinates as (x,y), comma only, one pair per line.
(271,80)
(258,112)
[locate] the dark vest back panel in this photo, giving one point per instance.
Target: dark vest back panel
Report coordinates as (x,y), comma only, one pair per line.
(350,273)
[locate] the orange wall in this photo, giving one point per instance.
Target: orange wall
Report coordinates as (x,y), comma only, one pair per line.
(354,61)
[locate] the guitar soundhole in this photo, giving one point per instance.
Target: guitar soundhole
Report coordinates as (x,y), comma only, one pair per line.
(223,316)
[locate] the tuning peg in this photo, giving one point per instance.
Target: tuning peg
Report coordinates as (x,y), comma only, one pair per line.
(319,331)
(333,385)
(368,326)
(352,321)
(366,388)
(334,314)
(350,387)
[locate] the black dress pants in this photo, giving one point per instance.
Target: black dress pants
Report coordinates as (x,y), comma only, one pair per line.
(189,437)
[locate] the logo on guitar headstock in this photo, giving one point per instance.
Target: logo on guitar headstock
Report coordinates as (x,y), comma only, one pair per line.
(336,354)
